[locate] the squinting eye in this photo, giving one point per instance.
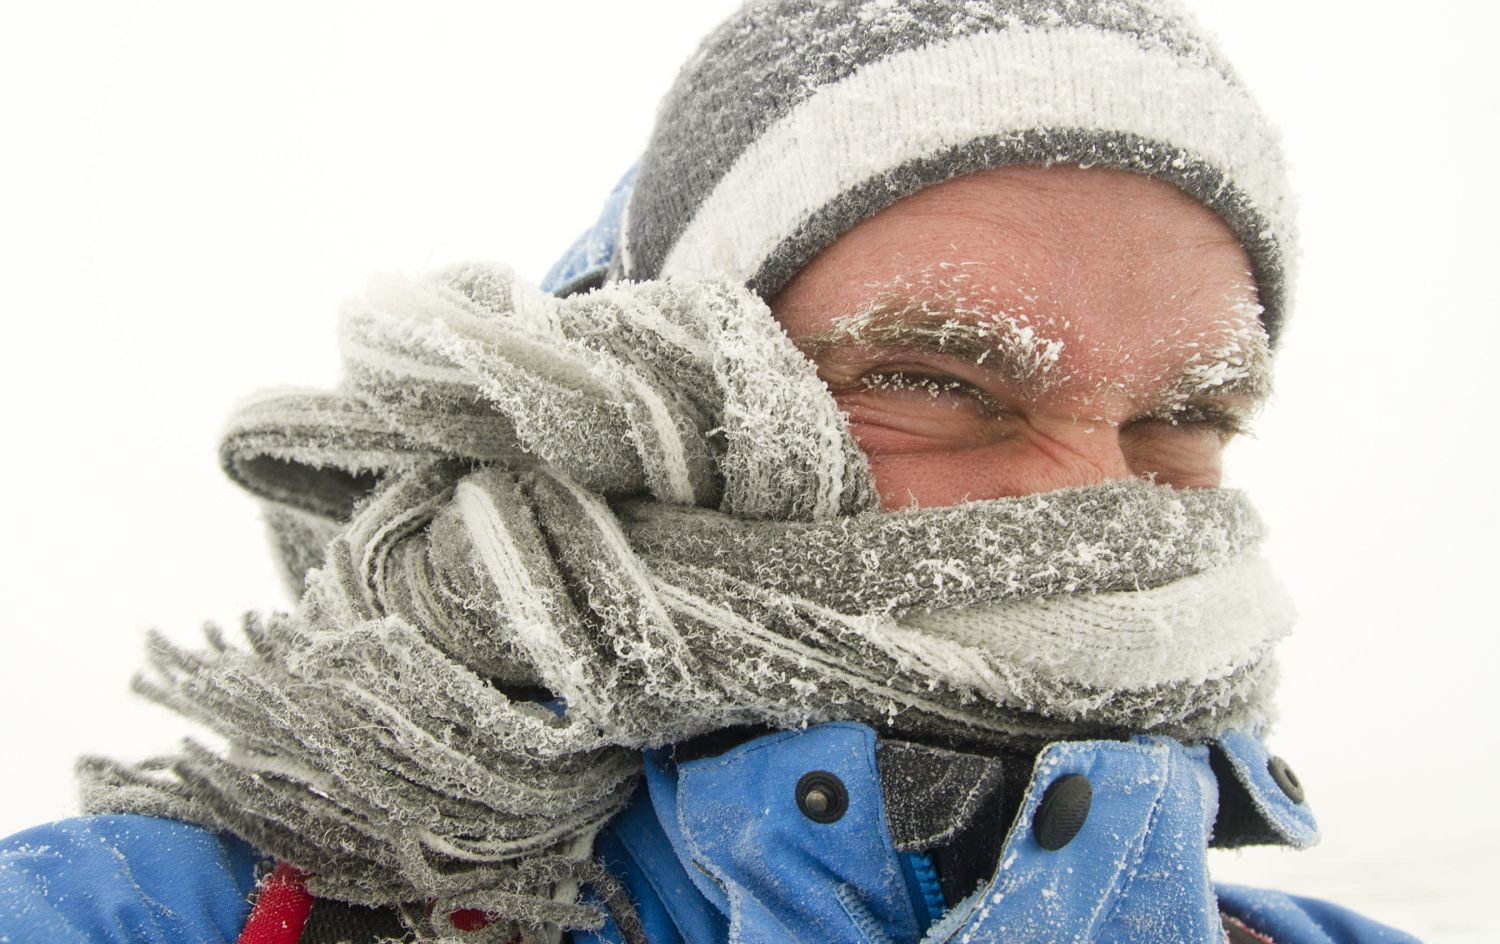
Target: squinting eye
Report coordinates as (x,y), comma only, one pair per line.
(937,388)
(1200,418)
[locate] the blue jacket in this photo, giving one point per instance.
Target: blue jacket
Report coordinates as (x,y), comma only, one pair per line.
(734,846)
(723,848)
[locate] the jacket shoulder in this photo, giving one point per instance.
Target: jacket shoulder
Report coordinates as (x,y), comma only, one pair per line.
(139,879)
(1292,919)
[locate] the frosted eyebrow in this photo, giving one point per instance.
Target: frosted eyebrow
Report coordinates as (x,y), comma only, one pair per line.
(1238,366)
(1003,345)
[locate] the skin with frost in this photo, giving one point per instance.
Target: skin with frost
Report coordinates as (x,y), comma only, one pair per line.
(1026,329)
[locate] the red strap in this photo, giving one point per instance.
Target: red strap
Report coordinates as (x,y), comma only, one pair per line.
(282,905)
(472,919)
(280,910)
(468,919)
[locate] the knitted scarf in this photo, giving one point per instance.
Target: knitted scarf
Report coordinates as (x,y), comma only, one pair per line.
(539,535)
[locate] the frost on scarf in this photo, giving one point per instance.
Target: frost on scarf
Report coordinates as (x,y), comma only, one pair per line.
(643,502)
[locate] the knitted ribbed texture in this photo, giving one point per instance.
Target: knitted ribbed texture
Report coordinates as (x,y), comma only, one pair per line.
(796,119)
(642,502)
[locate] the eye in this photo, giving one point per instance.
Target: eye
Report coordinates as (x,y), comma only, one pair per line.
(1192,418)
(928,388)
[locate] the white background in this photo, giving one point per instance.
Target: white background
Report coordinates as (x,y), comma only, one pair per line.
(189,189)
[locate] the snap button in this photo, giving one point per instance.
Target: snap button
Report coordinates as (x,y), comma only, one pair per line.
(1286,780)
(1062,812)
(821,797)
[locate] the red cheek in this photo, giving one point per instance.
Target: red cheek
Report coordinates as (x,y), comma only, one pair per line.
(928,469)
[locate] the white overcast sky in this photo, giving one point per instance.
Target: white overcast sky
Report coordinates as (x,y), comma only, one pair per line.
(189,189)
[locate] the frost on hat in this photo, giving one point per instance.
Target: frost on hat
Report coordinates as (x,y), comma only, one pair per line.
(796,119)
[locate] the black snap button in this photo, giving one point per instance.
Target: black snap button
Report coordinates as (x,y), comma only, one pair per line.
(1062,812)
(821,797)
(1286,780)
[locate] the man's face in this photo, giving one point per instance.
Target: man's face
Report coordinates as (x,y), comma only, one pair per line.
(1021,330)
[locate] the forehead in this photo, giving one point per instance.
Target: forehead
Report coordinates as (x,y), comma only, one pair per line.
(1122,272)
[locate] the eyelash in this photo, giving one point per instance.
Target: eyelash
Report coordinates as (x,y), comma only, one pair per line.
(933,385)
(1223,422)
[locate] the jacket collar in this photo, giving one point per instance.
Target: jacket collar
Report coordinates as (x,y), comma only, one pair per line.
(777,866)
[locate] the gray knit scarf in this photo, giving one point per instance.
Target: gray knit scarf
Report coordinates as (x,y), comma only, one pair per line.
(643,502)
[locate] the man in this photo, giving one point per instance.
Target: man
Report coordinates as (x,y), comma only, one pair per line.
(905,608)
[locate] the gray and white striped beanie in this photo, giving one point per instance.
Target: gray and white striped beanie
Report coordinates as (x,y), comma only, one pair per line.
(796,119)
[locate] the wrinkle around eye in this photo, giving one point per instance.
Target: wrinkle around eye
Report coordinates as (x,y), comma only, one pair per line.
(914,421)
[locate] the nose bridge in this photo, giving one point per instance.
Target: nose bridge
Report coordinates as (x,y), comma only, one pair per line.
(1080,452)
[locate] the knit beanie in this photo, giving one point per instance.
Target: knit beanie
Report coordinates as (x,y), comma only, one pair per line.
(796,119)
